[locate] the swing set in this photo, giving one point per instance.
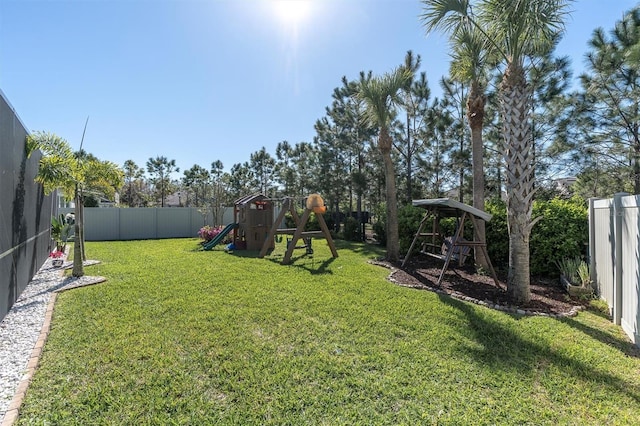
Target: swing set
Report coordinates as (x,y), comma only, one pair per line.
(314,204)
(451,248)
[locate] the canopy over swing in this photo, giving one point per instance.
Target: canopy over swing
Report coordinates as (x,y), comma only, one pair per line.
(451,247)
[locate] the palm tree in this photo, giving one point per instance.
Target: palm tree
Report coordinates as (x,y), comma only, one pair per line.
(471,62)
(381,95)
(518,31)
(70,173)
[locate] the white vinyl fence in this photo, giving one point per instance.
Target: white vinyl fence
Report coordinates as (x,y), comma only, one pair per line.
(614,241)
(111,224)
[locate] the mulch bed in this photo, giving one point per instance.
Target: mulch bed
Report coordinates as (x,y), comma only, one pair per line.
(547,297)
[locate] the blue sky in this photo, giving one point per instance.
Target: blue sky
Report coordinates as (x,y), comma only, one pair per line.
(205,80)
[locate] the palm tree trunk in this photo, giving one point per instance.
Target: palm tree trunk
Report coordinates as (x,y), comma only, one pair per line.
(78,268)
(475,116)
(515,100)
(393,241)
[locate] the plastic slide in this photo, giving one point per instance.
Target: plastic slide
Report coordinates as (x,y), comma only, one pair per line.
(218,238)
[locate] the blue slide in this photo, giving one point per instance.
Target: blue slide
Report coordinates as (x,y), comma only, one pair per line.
(218,238)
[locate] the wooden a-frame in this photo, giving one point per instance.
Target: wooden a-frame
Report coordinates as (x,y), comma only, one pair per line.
(297,232)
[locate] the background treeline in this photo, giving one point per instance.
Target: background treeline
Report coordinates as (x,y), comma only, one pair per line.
(588,131)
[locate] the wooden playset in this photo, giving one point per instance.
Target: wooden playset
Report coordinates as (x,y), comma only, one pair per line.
(314,204)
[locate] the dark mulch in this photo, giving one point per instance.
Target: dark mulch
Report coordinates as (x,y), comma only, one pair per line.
(422,272)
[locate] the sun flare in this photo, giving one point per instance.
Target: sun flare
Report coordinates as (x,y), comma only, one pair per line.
(292,11)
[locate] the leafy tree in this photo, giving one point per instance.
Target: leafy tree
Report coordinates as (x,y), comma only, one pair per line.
(415,102)
(304,158)
(285,172)
(263,166)
(454,94)
(332,164)
(611,99)
(434,168)
(197,180)
(381,95)
(219,184)
(160,168)
(241,180)
(133,179)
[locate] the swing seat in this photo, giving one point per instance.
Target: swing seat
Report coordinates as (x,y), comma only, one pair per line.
(460,251)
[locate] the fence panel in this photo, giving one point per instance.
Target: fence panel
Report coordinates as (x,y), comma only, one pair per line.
(109,224)
(174,222)
(101,224)
(137,224)
(616,258)
(630,269)
(603,252)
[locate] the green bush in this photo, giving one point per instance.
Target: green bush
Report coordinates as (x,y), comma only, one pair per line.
(497,234)
(311,225)
(562,232)
(409,218)
(351,229)
(380,229)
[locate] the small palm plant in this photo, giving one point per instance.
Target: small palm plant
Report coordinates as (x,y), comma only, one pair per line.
(584,274)
(576,273)
(569,268)
(60,232)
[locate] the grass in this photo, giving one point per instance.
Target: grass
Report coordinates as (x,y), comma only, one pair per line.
(180,336)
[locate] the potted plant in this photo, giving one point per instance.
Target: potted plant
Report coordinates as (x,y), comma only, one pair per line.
(60,232)
(57,258)
(575,277)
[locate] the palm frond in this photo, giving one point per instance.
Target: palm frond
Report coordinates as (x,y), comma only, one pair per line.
(445,15)
(381,94)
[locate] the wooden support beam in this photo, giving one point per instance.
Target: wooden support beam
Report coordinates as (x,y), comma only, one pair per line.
(296,237)
(272,232)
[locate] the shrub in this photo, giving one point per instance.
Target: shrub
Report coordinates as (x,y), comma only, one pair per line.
(208,233)
(569,268)
(409,218)
(562,232)
(380,229)
(311,225)
(497,234)
(351,231)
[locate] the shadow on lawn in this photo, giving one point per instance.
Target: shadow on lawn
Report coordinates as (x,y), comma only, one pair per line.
(608,339)
(366,249)
(503,349)
(312,265)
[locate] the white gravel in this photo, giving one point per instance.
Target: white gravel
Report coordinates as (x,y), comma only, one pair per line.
(20,328)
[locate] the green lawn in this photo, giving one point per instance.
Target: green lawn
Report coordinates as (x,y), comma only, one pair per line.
(180,336)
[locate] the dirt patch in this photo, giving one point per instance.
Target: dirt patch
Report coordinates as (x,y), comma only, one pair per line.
(547,297)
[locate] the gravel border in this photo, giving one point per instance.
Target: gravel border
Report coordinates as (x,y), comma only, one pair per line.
(24,330)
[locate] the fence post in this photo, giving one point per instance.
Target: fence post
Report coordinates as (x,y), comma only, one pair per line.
(593,275)
(617,267)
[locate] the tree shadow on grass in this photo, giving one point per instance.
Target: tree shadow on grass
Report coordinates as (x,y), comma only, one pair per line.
(502,349)
(366,249)
(322,267)
(624,346)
